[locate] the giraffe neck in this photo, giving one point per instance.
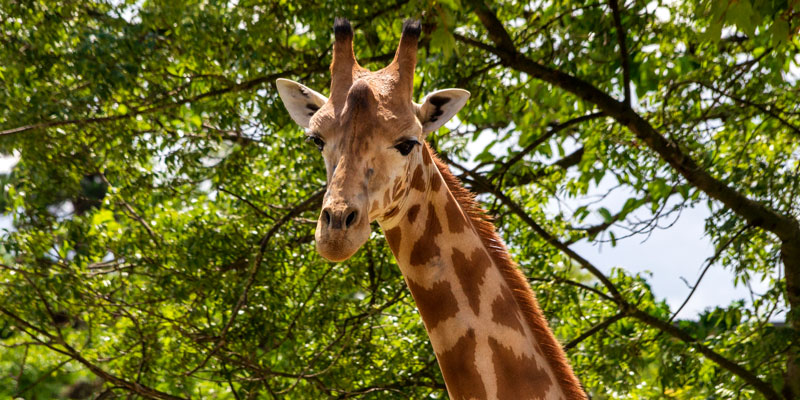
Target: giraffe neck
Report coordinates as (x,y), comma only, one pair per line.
(488,345)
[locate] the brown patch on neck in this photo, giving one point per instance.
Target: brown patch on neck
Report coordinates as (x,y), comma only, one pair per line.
(412,213)
(470,274)
(504,312)
(436,183)
(455,218)
(520,378)
(393,236)
(460,371)
(435,304)
(426,156)
(425,247)
(519,286)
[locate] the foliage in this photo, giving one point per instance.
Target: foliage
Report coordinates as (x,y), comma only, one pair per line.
(163,204)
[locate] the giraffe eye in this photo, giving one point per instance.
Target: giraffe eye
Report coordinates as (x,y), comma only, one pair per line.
(317,141)
(405,147)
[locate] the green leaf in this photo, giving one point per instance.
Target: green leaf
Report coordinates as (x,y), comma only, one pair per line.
(658,189)
(607,217)
(443,40)
(452,4)
(713,31)
(779,31)
(102,216)
(195,120)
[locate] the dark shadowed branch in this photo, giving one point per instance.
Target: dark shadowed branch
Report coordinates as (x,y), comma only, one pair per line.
(623,304)
(623,50)
(754,212)
(301,207)
(62,347)
(591,331)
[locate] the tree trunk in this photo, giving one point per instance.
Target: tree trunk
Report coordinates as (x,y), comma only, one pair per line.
(790,254)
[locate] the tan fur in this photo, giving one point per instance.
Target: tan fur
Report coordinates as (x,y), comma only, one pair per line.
(516,281)
(485,326)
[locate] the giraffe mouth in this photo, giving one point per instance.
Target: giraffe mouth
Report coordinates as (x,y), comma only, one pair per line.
(340,232)
(340,245)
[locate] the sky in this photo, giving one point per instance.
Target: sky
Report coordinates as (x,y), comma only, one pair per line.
(666,256)
(669,254)
(7,162)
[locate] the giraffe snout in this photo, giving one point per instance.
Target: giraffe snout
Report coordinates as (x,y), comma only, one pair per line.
(341,230)
(339,219)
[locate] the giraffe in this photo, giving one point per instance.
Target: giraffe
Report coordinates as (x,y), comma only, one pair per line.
(489,335)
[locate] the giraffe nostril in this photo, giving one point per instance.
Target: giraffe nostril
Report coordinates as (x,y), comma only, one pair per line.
(327,217)
(350,218)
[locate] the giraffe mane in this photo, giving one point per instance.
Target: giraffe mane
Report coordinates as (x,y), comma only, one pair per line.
(511,273)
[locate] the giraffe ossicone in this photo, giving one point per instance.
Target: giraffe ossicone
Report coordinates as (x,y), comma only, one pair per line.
(489,336)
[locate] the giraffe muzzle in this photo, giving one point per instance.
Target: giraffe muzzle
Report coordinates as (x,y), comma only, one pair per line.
(341,230)
(339,219)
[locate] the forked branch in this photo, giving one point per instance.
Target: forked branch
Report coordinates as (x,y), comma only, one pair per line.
(624,306)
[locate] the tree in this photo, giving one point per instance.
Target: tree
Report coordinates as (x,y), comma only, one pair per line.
(163,204)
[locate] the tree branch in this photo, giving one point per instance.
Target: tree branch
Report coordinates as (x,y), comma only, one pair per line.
(757,214)
(599,327)
(45,375)
(623,51)
(294,212)
(494,27)
(543,138)
(624,306)
(760,107)
(765,388)
(558,279)
(248,202)
(68,350)
(527,176)
(709,263)
(246,85)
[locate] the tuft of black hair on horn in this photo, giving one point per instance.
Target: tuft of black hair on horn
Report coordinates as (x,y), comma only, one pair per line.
(412,28)
(342,29)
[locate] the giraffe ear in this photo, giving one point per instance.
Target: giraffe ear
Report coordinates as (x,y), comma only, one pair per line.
(300,101)
(439,106)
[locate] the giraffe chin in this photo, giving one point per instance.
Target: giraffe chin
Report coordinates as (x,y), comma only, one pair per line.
(340,246)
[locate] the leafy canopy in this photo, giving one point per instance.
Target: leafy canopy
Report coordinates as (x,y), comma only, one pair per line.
(163,204)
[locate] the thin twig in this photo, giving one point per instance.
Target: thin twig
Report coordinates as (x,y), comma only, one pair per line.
(624,306)
(248,202)
(709,263)
(600,326)
(295,211)
(45,375)
(623,51)
(544,137)
(69,351)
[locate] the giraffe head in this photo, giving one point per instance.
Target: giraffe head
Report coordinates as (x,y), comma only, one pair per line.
(369,132)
